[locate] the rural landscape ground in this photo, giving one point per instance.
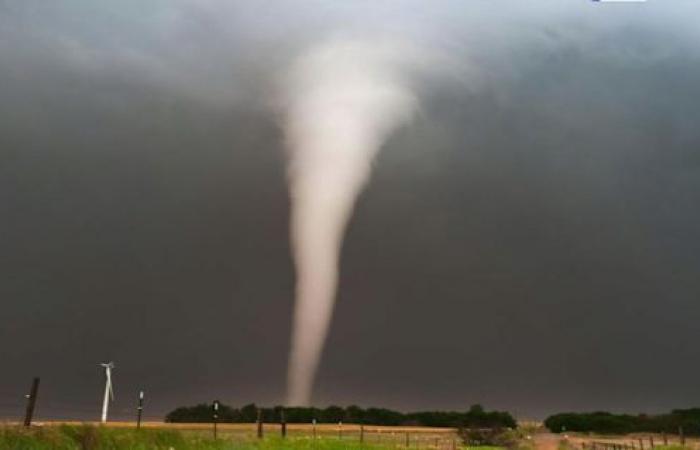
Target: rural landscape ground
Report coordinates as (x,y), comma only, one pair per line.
(166,436)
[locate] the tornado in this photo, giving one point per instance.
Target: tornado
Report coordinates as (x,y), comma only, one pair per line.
(343,99)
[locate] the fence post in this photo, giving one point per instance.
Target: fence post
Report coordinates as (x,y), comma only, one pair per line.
(681,435)
(408,440)
(641,444)
(260,424)
(31,402)
(215,415)
(362,433)
(283,423)
(651,441)
(139,411)
(665,438)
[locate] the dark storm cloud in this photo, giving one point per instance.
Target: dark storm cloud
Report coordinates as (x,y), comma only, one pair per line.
(530,242)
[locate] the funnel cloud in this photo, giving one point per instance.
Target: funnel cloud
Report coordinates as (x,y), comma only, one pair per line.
(345,98)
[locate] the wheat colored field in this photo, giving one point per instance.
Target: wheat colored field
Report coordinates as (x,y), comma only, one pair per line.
(321,429)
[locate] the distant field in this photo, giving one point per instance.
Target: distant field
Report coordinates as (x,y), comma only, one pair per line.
(327,430)
(324,428)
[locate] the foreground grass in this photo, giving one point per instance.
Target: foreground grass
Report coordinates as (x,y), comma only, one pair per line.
(88,437)
(99,438)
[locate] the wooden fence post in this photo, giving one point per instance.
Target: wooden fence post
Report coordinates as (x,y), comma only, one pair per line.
(283,423)
(260,424)
(31,402)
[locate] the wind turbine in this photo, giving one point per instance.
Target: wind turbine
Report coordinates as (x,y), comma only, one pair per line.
(109,393)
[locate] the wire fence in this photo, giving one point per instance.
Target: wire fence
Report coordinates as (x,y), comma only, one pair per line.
(646,441)
(52,413)
(385,436)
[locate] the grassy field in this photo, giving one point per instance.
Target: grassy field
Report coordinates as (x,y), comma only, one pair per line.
(159,436)
(91,437)
(322,429)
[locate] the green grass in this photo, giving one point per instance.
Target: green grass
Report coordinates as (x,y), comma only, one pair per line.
(99,438)
(102,438)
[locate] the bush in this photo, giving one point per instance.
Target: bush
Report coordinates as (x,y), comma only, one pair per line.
(494,437)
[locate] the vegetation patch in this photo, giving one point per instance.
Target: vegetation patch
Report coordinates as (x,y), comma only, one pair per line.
(678,421)
(475,417)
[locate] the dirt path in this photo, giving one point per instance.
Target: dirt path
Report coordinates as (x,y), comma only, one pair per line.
(546,441)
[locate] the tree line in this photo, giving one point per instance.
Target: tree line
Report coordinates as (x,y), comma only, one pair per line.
(678,421)
(475,417)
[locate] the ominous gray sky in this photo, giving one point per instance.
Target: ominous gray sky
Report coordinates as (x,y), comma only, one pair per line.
(531,241)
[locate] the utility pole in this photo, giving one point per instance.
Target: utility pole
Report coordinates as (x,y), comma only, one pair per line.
(139,411)
(31,402)
(215,415)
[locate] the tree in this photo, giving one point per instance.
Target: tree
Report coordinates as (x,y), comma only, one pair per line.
(475,417)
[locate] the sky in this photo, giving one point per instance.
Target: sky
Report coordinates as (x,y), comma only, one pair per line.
(530,241)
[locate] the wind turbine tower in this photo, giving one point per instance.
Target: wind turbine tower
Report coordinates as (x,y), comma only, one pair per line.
(109,392)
